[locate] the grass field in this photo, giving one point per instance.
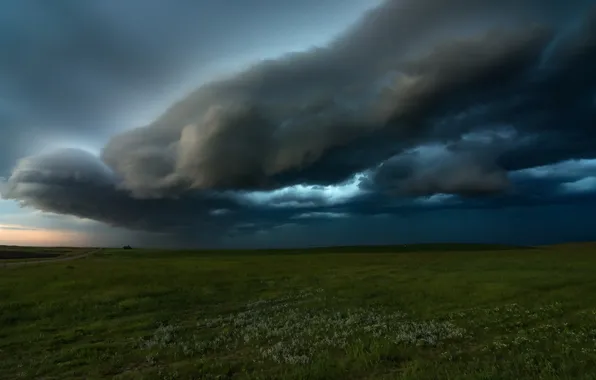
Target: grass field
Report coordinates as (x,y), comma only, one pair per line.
(421,312)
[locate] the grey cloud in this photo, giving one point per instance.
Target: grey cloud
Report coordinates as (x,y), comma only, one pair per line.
(321,215)
(207,151)
(442,172)
(305,106)
(76,183)
(461,67)
(268,140)
(86,69)
(548,99)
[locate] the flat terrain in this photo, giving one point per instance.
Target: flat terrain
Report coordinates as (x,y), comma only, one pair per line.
(417,312)
(9,254)
(14,254)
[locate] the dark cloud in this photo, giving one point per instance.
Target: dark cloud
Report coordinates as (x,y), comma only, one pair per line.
(89,69)
(293,129)
(422,105)
(442,172)
(74,182)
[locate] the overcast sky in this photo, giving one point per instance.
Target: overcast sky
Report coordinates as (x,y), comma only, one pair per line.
(262,123)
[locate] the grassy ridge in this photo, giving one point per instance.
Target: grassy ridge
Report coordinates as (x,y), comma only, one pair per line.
(517,313)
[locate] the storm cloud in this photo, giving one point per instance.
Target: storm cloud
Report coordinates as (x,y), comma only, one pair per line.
(421,104)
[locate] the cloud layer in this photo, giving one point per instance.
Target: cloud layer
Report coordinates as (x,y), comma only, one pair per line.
(421,104)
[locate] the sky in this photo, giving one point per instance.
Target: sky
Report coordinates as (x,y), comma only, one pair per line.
(265,124)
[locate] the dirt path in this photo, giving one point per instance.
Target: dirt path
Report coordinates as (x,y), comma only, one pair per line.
(43,261)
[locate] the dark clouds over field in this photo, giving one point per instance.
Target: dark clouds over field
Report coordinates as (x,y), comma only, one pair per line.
(425,120)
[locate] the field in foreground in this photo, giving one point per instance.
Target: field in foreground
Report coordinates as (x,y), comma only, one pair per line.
(428,314)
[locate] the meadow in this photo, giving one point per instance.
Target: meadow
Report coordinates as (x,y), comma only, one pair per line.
(413,312)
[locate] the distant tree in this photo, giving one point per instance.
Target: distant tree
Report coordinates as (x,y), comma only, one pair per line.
(127,247)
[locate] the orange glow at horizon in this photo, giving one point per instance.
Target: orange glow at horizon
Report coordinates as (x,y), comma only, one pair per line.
(11,234)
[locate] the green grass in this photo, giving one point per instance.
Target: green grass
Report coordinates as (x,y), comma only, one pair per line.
(432,312)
